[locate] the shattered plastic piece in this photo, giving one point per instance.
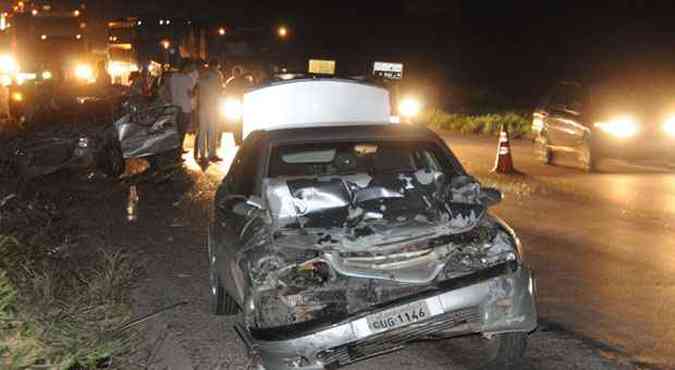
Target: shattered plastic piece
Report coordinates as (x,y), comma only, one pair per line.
(375,192)
(426,177)
(408,181)
(461,221)
(7,199)
(465,190)
(132,204)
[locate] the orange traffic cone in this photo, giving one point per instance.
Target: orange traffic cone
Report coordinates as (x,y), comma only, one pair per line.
(504,162)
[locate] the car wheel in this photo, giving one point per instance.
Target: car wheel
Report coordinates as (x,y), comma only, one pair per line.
(507,351)
(220,303)
(588,157)
(542,150)
(114,165)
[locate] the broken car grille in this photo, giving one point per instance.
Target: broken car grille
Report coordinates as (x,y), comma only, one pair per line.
(397,338)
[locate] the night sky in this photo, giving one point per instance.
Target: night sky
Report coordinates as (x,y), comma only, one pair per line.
(514,48)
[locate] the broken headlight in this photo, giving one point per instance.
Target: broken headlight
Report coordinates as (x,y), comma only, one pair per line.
(502,248)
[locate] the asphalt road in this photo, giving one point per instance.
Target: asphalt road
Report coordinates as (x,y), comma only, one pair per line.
(602,270)
(602,245)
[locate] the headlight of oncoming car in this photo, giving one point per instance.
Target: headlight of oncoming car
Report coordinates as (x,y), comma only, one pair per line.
(620,127)
(669,126)
(84,73)
(232,108)
(409,107)
(8,64)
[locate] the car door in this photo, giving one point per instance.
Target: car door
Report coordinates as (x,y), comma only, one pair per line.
(552,123)
(576,129)
(564,126)
(236,209)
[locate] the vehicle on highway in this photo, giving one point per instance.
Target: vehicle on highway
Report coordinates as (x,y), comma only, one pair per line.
(341,236)
(44,59)
(140,129)
(611,119)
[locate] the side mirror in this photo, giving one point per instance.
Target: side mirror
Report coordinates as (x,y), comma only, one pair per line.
(490,196)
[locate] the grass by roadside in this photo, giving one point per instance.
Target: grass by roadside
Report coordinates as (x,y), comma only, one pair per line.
(61,313)
(64,294)
(519,124)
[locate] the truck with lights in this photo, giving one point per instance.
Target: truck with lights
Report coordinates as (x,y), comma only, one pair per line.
(43,49)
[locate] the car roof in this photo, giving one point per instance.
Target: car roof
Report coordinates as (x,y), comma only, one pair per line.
(299,78)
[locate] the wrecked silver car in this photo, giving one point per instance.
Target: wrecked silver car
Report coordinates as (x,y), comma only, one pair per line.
(142,130)
(148,130)
(342,243)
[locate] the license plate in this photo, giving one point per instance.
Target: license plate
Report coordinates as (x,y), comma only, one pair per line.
(399,316)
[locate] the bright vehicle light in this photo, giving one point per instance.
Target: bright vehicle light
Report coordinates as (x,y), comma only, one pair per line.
(232,108)
(409,107)
(46,75)
(84,72)
(23,77)
(621,127)
(669,126)
(5,80)
(117,68)
(282,31)
(8,65)
(17,96)
(43,37)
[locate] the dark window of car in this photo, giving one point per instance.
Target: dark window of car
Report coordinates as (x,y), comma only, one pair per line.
(243,173)
(344,158)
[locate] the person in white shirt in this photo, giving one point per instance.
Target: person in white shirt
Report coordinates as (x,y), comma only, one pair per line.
(210,90)
(181,86)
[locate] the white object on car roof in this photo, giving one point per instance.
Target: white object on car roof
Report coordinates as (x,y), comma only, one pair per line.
(313,103)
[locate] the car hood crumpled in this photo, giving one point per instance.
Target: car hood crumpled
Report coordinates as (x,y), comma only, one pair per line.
(373,228)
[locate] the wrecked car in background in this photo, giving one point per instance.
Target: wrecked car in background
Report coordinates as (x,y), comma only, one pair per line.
(100,138)
(344,237)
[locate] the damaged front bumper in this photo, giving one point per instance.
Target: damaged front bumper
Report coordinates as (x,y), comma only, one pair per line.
(496,300)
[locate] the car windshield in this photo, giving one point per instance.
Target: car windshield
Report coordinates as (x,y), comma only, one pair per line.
(640,95)
(335,184)
(344,158)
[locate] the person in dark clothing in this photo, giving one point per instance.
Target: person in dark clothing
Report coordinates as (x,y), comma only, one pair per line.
(235,88)
(238,83)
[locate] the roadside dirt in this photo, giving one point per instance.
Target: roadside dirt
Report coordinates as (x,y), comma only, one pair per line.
(169,241)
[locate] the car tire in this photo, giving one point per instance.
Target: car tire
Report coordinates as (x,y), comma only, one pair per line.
(542,150)
(507,351)
(588,156)
(220,303)
(114,165)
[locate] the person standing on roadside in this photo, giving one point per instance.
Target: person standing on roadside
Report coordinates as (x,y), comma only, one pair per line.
(103,78)
(238,83)
(181,87)
(235,88)
(210,86)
